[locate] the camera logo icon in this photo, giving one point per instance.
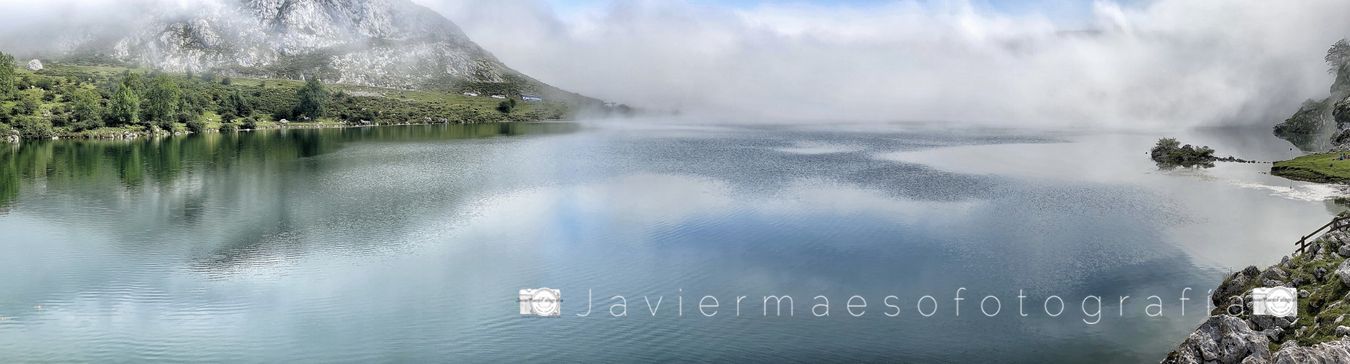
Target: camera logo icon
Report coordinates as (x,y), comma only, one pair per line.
(1275,301)
(540,302)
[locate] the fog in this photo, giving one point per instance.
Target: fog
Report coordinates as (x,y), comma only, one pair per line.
(46,28)
(1145,65)
(1158,65)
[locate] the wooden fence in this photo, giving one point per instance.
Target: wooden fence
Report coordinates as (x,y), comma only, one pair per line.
(1338,223)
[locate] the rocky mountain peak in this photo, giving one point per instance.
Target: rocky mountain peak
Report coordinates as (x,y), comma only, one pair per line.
(385,43)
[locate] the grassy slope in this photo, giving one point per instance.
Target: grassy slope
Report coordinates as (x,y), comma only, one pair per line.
(1322,167)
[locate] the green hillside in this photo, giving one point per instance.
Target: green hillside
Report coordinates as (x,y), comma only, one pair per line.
(67,100)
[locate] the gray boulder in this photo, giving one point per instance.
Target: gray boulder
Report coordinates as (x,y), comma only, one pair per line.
(1267,322)
(35,65)
(1328,352)
(1274,274)
(1343,272)
(1223,339)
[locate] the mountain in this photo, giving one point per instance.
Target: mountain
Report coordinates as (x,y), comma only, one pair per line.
(383,43)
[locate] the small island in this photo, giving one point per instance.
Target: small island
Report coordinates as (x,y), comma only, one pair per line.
(1170,153)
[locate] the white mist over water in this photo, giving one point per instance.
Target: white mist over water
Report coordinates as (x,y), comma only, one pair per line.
(1157,65)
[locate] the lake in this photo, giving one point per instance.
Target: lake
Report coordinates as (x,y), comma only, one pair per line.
(410,243)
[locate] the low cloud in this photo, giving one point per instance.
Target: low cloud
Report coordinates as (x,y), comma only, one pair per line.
(1154,65)
(1163,64)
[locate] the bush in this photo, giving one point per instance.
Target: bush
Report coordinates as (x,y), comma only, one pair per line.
(229,128)
(30,101)
(196,126)
(506,106)
(250,123)
(34,127)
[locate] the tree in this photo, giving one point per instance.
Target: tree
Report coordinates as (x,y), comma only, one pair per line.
(505,107)
(86,109)
(8,78)
(30,102)
(313,100)
(1338,56)
(236,104)
(162,102)
(125,106)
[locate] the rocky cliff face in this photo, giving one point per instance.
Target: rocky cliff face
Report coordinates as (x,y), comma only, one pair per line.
(386,43)
(1324,124)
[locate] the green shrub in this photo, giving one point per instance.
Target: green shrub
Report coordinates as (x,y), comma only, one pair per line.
(196,126)
(229,128)
(32,127)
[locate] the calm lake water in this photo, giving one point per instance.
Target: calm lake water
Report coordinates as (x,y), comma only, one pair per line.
(410,243)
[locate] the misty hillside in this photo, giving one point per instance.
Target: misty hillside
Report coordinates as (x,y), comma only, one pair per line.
(383,43)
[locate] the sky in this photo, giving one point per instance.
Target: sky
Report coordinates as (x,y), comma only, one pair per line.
(1115,64)
(1143,64)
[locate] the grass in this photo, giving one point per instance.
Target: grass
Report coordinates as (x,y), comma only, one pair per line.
(1322,167)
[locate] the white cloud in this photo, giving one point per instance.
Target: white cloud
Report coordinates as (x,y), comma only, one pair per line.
(1166,64)
(1163,64)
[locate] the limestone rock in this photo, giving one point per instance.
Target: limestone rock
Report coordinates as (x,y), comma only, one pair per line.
(35,65)
(1222,339)
(1329,352)
(1343,272)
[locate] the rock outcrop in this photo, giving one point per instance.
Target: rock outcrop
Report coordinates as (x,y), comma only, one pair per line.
(1318,334)
(1319,124)
(1328,352)
(1222,339)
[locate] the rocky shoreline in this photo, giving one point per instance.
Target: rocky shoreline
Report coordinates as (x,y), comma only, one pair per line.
(133,135)
(1320,333)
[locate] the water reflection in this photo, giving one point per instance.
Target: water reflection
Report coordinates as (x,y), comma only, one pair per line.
(161,161)
(409,242)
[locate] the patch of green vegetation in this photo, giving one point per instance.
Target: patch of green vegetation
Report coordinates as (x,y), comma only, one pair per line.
(101,101)
(1321,167)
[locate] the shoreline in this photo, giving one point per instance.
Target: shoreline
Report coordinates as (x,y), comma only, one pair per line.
(128,135)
